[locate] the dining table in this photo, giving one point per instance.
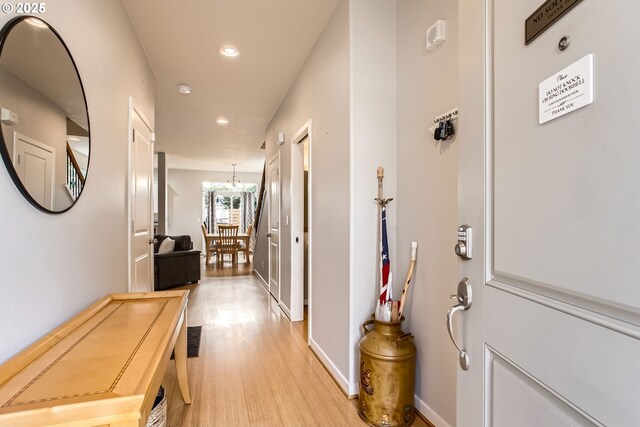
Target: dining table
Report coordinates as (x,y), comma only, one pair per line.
(242,238)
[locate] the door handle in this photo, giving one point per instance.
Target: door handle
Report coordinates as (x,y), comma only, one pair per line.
(464,303)
(268,234)
(153,241)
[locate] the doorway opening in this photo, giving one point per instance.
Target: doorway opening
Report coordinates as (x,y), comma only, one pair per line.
(223,204)
(301,226)
(305,146)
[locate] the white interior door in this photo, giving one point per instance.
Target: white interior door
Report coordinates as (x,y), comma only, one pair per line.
(274,227)
(553,331)
(298,223)
(34,163)
(141,204)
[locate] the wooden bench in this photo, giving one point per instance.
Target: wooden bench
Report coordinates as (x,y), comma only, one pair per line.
(101,368)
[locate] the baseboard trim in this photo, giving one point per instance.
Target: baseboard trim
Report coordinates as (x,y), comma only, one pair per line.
(285,310)
(425,412)
(264,282)
(331,368)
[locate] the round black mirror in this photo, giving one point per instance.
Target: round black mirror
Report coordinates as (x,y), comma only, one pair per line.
(43,113)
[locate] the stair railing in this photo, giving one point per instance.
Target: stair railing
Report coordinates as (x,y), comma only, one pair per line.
(75,178)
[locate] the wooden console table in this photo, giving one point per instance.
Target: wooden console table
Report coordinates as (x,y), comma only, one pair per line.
(101,368)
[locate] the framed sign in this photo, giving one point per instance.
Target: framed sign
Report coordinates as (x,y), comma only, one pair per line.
(545,16)
(568,90)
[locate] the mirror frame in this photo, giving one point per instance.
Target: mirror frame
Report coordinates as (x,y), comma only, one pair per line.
(4,33)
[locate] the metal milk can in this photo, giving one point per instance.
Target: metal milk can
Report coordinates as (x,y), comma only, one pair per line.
(387,374)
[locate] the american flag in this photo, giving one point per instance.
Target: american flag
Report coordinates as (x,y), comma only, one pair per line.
(385,286)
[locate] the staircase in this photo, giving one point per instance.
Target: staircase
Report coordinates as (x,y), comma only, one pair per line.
(75,177)
(261,196)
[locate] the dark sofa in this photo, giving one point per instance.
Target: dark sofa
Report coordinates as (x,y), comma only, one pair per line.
(175,268)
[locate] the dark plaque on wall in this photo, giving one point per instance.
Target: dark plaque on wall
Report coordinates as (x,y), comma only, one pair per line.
(545,16)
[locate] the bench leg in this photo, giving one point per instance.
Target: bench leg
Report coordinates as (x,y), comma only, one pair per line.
(181,362)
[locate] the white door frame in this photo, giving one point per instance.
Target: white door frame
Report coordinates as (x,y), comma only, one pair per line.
(17,136)
(473,162)
(276,157)
(133,107)
(297,223)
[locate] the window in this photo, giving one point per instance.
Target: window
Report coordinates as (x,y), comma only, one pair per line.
(228,209)
(234,206)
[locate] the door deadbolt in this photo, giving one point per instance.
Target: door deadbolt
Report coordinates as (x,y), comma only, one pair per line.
(463,247)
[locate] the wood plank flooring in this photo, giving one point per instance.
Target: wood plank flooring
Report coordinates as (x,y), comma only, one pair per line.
(255,368)
(226,269)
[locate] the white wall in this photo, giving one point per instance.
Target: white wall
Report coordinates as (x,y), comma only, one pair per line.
(53,266)
(395,89)
(184,199)
(427,197)
(347,88)
(321,93)
(373,144)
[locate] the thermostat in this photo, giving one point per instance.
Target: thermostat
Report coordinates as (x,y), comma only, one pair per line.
(435,35)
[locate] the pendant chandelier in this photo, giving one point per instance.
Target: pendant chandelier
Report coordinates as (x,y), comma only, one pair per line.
(234,181)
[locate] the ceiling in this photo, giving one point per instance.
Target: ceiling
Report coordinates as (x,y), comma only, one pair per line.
(49,69)
(182,42)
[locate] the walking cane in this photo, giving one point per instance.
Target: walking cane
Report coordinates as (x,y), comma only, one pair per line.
(412,264)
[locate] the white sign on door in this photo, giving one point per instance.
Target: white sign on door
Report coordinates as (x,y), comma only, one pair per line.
(566,91)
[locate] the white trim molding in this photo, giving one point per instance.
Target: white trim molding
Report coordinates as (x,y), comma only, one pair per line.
(351,390)
(261,280)
(427,412)
(296,191)
(285,309)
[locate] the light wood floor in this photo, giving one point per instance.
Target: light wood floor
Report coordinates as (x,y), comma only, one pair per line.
(226,269)
(255,368)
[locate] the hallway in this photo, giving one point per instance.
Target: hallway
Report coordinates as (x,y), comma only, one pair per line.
(255,368)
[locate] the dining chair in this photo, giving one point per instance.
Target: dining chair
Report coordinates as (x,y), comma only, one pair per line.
(209,243)
(227,243)
(246,248)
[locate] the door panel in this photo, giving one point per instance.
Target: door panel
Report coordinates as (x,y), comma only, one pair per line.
(517,397)
(141,205)
(555,320)
(35,176)
(34,163)
(274,228)
(588,365)
(567,178)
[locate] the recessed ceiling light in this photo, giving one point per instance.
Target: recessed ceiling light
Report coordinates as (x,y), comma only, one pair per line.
(36,22)
(229,52)
(184,89)
(222,121)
